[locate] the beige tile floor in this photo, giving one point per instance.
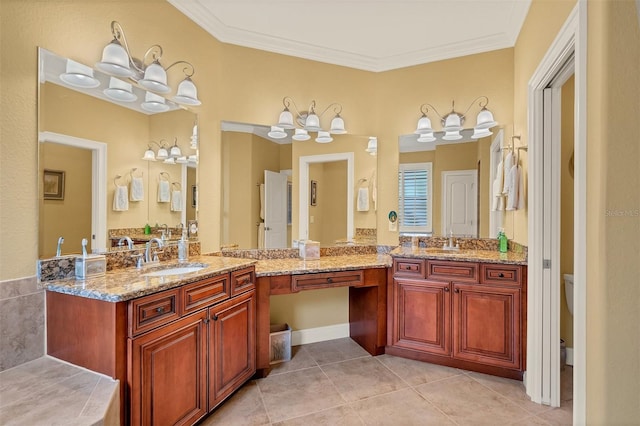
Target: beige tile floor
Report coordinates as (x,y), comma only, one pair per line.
(338,383)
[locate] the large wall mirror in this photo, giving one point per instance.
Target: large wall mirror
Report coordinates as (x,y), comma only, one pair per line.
(263,189)
(91,147)
(459,174)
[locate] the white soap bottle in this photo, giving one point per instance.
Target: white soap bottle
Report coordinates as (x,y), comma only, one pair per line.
(183,248)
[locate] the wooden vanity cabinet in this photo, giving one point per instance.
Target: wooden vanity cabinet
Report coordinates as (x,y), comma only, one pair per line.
(461,314)
(178,353)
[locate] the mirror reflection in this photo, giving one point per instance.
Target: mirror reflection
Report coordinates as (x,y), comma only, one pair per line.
(457,175)
(268,203)
(92,150)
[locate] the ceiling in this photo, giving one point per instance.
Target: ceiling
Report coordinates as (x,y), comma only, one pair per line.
(367,35)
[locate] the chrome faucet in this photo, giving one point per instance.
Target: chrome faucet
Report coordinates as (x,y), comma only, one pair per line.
(149,254)
(166,234)
(451,245)
(128,240)
(59,249)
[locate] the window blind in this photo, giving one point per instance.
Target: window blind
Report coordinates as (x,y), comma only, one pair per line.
(414,201)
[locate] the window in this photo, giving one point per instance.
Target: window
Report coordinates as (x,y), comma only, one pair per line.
(414,197)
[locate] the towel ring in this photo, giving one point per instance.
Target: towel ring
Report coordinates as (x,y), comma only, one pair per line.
(115,181)
(176,184)
(164,175)
(133,171)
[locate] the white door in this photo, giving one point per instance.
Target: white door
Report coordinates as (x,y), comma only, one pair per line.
(275,210)
(459,207)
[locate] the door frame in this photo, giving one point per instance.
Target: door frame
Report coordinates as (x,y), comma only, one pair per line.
(570,41)
(98,183)
(303,200)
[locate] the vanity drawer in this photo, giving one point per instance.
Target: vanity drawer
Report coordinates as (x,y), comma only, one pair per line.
(327,280)
(203,293)
(242,280)
(153,311)
(408,268)
(452,271)
(500,274)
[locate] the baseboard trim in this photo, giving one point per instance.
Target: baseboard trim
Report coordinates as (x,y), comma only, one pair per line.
(570,356)
(319,334)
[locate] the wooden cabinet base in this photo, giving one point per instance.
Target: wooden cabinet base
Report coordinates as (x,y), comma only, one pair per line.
(455,363)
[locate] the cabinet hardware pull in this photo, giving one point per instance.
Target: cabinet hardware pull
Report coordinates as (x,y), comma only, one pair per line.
(501,275)
(214,317)
(446,289)
(408,267)
(206,320)
(457,290)
(329,280)
(160,309)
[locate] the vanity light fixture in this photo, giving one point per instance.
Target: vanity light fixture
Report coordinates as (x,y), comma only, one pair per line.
(119,90)
(154,103)
(453,122)
(175,151)
(150,155)
(309,121)
(118,61)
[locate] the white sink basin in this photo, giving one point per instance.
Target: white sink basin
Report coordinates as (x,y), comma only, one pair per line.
(179,270)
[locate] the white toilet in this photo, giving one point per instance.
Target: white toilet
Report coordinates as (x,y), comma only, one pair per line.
(568,290)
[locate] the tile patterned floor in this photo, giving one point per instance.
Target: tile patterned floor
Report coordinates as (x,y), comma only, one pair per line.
(338,383)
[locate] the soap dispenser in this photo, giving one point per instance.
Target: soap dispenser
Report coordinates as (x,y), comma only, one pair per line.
(183,247)
(502,241)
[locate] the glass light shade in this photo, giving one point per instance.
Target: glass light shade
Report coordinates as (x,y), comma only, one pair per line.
(324,137)
(170,160)
(154,103)
(175,151)
(424,126)
(277,133)
(149,155)
(481,133)
(286,120)
(79,75)
(453,123)
(337,126)
(187,93)
(301,135)
(119,90)
(115,60)
(312,123)
(452,135)
(372,146)
(427,137)
(163,154)
(182,160)
(155,79)
(485,119)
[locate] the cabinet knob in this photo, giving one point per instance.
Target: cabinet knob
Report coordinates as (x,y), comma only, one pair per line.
(214,317)
(160,309)
(501,275)
(446,289)
(329,280)
(457,290)
(408,267)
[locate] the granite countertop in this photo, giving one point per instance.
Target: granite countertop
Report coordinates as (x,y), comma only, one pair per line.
(125,284)
(294,266)
(486,256)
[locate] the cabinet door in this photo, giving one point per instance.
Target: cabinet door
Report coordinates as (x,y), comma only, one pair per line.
(422,316)
(486,325)
(232,343)
(167,373)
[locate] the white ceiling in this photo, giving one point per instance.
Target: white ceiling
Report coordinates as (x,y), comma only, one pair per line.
(368,35)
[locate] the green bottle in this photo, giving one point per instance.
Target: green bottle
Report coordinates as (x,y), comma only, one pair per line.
(147,229)
(502,241)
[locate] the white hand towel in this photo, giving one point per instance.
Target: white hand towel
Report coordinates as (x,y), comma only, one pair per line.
(497,188)
(363,199)
(507,165)
(120,199)
(512,194)
(262,201)
(261,235)
(164,191)
(137,189)
(176,200)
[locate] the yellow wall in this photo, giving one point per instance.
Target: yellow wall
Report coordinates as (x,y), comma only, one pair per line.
(566,207)
(54,220)
(247,85)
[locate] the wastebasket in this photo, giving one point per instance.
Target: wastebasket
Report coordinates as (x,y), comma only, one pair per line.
(279,343)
